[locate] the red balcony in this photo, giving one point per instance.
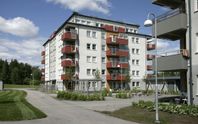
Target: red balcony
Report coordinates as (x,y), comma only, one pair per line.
(108,27)
(67,63)
(123,53)
(69,36)
(121,30)
(42,53)
(117,53)
(69,49)
(115,77)
(42,61)
(124,65)
(122,41)
(65,77)
(118,41)
(112,64)
(150,57)
(150,46)
(110,41)
(149,67)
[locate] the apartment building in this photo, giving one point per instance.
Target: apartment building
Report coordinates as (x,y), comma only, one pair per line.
(181,24)
(85,45)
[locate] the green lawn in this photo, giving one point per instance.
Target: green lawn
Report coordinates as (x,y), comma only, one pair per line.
(13,106)
(145,117)
(19,86)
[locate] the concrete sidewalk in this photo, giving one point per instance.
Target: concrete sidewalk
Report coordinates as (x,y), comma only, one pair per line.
(61,112)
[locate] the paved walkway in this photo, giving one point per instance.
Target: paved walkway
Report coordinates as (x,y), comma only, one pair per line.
(66,112)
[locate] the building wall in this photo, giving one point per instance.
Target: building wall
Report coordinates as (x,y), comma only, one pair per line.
(84,52)
(139,43)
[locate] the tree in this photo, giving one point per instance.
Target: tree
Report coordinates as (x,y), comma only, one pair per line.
(5,72)
(127,78)
(15,76)
(97,74)
(69,76)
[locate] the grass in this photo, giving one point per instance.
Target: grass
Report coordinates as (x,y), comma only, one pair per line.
(20,86)
(143,116)
(14,107)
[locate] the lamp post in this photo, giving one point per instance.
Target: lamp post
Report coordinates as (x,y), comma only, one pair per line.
(120,66)
(148,22)
(33,78)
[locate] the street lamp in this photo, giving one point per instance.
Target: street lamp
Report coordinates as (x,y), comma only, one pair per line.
(33,78)
(148,22)
(120,66)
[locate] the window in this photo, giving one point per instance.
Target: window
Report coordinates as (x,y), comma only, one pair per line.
(133,73)
(137,40)
(133,39)
(88,46)
(133,51)
(137,84)
(94,34)
(97,25)
(77,21)
(133,84)
(103,59)
(137,62)
(135,31)
(93,71)
(103,35)
(88,33)
(131,30)
(133,61)
(93,46)
(137,51)
(88,71)
(88,58)
(94,59)
(103,71)
(82,21)
(127,30)
(88,22)
(103,47)
(137,73)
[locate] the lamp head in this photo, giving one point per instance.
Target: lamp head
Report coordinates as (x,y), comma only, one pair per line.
(148,23)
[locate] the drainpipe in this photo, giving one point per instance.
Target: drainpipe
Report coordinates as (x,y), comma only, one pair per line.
(190,51)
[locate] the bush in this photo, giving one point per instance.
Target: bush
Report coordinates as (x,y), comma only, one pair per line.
(191,110)
(77,96)
(104,92)
(123,95)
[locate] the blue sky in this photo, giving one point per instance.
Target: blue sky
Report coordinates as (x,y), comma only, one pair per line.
(26,24)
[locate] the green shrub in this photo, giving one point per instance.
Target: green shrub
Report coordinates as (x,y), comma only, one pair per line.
(104,92)
(123,95)
(191,110)
(77,96)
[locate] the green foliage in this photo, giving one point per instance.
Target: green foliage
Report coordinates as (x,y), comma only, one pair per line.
(104,92)
(123,95)
(16,73)
(183,109)
(79,97)
(14,106)
(97,74)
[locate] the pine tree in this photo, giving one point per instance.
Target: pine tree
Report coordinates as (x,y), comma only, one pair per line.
(5,72)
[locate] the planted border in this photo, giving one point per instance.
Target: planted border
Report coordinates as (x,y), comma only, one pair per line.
(79,97)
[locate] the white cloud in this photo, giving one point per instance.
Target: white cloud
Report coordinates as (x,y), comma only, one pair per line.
(27,51)
(18,26)
(77,5)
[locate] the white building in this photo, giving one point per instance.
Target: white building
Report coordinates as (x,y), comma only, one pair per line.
(86,44)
